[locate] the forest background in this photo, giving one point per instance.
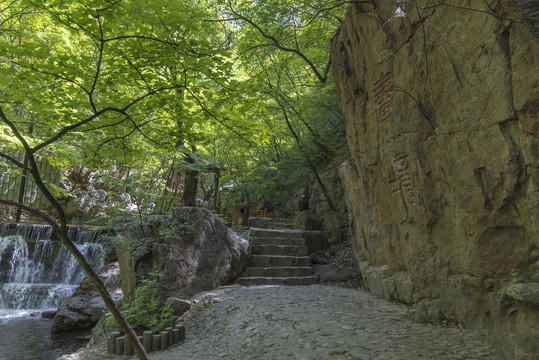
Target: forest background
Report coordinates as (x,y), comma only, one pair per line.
(162,103)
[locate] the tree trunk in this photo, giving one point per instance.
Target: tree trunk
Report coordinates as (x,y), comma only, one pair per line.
(190,186)
(216,195)
(60,228)
(309,162)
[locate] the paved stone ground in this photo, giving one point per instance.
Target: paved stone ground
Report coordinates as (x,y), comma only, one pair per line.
(310,322)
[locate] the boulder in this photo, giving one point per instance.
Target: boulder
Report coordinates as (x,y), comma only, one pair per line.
(87,204)
(179,306)
(316,241)
(306,220)
(193,251)
(78,312)
(332,227)
(93,200)
(427,313)
(85,308)
(441,109)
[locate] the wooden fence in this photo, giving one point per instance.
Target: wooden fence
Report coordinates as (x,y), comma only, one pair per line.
(11,179)
(227,215)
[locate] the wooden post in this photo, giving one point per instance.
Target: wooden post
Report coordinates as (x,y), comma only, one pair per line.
(176,335)
(128,348)
(170,336)
(111,343)
(164,340)
(147,340)
(156,342)
(181,329)
(120,345)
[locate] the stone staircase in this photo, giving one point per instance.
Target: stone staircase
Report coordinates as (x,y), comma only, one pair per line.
(278,257)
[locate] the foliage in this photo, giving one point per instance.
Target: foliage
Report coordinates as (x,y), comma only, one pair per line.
(129,89)
(145,313)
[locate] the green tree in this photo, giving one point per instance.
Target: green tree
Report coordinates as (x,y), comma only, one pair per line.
(86,76)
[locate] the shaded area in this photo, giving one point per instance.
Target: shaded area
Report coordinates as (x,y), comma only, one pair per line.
(30,339)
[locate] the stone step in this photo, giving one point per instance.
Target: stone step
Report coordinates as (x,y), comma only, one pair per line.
(258,240)
(282,221)
(285,250)
(281,225)
(278,260)
(279,233)
(278,271)
(262,280)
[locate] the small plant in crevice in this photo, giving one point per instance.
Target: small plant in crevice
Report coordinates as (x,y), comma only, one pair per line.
(243,232)
(203,304)
(145,312)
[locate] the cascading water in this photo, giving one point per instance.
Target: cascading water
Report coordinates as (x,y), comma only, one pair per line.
(37,271)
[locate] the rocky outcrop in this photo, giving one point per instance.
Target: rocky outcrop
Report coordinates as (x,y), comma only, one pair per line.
(88,203)
(86,307)
(306,220)
(441,105)
(193,251)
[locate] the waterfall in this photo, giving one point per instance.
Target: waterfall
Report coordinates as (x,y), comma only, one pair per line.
(36,270)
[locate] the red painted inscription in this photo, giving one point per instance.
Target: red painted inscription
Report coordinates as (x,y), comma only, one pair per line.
(382,96)
(401,178)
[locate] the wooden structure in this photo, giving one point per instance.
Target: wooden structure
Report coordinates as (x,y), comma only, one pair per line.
(16,185)
(227,215)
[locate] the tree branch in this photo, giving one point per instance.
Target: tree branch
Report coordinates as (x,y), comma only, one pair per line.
(321,77)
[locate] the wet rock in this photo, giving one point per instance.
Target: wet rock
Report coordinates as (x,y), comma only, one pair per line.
(79,312)
(86,307)
(50,314)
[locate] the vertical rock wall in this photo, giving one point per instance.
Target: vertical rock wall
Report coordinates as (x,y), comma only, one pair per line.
(442,108)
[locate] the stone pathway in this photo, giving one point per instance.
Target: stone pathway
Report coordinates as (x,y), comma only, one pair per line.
(310,322)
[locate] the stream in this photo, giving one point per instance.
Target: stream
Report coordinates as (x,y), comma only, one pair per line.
(27,337)
(36,272)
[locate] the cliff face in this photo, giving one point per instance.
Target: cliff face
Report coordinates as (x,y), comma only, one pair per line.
(442,108)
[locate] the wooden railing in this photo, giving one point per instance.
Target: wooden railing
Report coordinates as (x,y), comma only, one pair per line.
(227,215)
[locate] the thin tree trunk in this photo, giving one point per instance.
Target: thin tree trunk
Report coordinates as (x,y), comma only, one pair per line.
(191,184)
(190,188)
(216,205)
(309,162)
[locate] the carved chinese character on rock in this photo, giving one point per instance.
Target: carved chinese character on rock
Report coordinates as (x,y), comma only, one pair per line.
(382,96)
(401,179)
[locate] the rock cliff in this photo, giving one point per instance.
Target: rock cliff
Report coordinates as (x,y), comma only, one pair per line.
(441,101)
